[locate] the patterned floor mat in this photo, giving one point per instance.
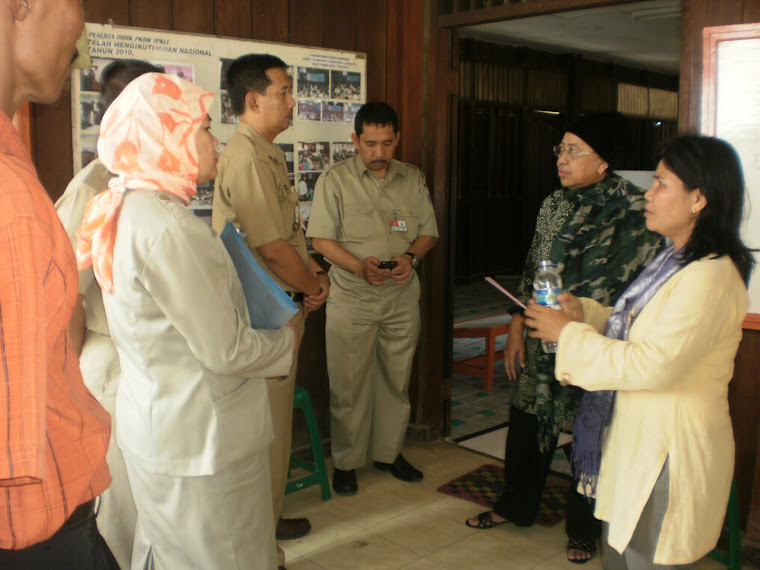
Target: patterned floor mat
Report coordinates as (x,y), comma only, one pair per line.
(484,485)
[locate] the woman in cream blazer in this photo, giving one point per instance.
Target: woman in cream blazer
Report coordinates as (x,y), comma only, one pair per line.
(667,448)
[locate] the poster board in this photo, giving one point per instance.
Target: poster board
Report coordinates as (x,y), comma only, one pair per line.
(329,86)
(731,111)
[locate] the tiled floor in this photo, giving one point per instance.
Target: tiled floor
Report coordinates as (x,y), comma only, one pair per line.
(390,524)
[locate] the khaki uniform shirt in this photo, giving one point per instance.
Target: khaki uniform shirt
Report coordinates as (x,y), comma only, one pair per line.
(252,190)
(360,211)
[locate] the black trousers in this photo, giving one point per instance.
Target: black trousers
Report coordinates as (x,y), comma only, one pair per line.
(525,471)
(76,547)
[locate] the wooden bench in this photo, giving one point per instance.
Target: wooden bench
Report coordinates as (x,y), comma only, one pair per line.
(488,328)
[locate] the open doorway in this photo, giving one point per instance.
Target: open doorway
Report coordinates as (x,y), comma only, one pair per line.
(519,82)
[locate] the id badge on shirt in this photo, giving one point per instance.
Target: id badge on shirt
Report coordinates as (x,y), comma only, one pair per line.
(398,226)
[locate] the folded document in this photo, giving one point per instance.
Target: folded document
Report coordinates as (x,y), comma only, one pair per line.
(268,305)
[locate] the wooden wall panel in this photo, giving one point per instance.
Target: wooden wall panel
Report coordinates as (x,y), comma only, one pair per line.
(156,14)
(371,28)
(744,398)
(751,12)
(194,17)
(101,11)
(233,18)
(340,24)
(410,66)
(52,144)
(270,20)
(307,22)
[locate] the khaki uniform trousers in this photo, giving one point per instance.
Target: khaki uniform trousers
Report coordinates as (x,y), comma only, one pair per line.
(281,391)
(371,335)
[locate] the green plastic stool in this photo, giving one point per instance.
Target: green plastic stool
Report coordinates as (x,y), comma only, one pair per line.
(317,469)
(732,559)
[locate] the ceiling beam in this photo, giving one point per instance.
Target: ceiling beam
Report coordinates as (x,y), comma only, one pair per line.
(520,10)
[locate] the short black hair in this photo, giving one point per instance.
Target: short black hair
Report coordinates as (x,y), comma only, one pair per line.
(117,75)
(249,73)
(712,166)
(375,113)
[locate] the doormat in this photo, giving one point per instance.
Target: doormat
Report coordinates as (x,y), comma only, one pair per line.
(484,485)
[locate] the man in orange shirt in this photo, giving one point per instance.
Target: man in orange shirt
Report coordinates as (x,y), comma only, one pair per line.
(53,433)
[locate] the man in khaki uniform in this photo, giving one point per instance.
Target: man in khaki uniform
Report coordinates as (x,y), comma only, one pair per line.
(370,210)
(253,191)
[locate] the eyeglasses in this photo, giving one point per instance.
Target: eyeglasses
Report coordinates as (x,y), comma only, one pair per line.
(572,153)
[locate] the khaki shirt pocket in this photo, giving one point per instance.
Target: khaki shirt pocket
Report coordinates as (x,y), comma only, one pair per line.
(359,222)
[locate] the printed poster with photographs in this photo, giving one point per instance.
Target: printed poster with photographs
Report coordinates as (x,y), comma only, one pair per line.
(329,86)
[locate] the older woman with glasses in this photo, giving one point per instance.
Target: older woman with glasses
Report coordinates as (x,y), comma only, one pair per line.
(653,438)
(594,227)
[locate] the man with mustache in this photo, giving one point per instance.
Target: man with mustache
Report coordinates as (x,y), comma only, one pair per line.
(367,211)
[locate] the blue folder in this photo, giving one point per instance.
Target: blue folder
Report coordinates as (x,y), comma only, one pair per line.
(268,305)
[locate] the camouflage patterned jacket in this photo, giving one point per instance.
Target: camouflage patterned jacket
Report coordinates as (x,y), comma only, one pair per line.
(598,234)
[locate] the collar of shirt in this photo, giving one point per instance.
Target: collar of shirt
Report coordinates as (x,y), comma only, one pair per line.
(262,144)
(394,169)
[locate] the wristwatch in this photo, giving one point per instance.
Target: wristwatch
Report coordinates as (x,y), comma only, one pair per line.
(415,259)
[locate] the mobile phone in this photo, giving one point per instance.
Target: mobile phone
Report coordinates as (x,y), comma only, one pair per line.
(387,264)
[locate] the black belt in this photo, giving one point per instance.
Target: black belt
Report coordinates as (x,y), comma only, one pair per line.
(80,514)
(297,296)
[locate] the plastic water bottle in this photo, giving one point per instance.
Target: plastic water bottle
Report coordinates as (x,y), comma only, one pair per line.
(548,286)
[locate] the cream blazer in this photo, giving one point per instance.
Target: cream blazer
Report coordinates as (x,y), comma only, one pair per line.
(672,380)
(191,397)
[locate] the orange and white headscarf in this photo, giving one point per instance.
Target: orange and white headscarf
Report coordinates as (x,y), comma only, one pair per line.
(147,138)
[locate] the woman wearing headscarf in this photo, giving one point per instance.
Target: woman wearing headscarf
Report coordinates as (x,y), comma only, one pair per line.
(192,410)
(653,439)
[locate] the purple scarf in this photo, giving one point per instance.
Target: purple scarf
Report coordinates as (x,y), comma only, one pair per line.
(596,407)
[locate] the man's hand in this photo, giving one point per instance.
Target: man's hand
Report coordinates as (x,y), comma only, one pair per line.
(401,273)
(514,349)
(314,302)
(372,274)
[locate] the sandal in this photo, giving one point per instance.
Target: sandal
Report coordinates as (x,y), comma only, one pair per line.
(485,520)
(584,545)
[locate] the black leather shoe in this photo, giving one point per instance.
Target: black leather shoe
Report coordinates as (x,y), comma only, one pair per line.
(401,469)
(289,529)
(344,482)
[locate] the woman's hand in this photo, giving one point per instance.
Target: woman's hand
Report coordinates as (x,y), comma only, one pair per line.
(514,348)
(547,323)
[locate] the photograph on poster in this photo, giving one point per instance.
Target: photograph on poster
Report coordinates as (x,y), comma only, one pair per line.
(287,148)
(204,195)
(90,117)
(332,112)
(313,156)
(306,183)
(342,151)
(305,214)
(313,82)
(350,110)
(89,149)
(345,85)
(310,110)
(228,115)
(181,70)
(91,78)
